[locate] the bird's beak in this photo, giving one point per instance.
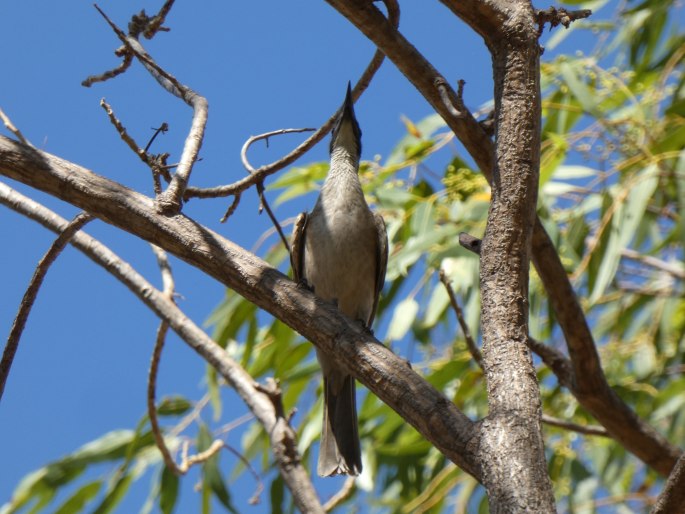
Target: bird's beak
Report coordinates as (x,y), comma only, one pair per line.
(346,131)
(347,110)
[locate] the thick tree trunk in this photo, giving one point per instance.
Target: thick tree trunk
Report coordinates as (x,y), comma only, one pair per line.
(512,449)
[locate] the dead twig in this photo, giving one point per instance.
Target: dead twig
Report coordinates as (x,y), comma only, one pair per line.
(558,16)
(575,427)
(13,129)
(263,204)
(156,163)
(32,291)
(343,494)
(170,200)
(470,343)
(140,23)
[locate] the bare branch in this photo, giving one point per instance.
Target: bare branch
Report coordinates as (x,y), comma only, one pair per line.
(253,139)
(32,291)
(279,432)
(110,74)
(343,494)
(151,393)
(156,163)
(470,343)
(556,361)
(204,456)
(169,202)
(263,204)
(672,268)
(470,242)
(149,26)
(575,427)
(559,16)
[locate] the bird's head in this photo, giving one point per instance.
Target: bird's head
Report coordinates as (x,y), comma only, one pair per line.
(346,132)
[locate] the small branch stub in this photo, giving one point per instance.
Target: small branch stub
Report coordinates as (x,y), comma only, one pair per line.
(559,16)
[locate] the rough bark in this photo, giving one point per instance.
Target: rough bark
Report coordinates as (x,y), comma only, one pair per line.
(512,449)
(672,498)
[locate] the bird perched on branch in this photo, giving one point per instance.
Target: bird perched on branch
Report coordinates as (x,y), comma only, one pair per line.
(340,251)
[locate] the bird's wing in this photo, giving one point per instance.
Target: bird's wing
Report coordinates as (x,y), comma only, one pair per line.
(297,247)
(381,261)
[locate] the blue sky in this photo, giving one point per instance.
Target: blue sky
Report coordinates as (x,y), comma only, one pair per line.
(81,368)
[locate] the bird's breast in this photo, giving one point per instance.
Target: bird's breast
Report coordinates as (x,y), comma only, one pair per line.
(340,254)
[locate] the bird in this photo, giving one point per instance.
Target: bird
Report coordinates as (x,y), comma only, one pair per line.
(340,252)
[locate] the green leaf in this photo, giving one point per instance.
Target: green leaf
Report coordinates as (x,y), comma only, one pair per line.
(168,491)
(426,128)
(174,406)
(277,493)
(402,319)
(77,501)
(574,78)
(437,305)
(211,475)
(622,228)
(115,495)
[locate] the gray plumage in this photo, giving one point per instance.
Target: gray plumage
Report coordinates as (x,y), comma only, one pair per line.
(341,250)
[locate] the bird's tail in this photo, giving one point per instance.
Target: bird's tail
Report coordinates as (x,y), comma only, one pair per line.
(339,452)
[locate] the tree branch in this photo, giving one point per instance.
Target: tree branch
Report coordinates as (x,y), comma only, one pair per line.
(276,427)
(672,497)
(518,482)
(32,291)
(170,200)
(593,392)
(575,427)
(374,365)
(470,343)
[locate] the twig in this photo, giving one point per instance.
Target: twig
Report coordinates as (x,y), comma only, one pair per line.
(168,292)
(343,494)
(231,209)
(556,361)
(282,437)
(156,163)
(204,456)
(262,172)
(32,291)
(253,139)
(162,129)
(149,26)
(671,268)
(191,416)
(470,242)
(140,23)
(151,393)
(254,499)
(13,129)
(263,204)
(575,427)
(446,95)
(110,74)
(473,348)
(170,201)
(560,16)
